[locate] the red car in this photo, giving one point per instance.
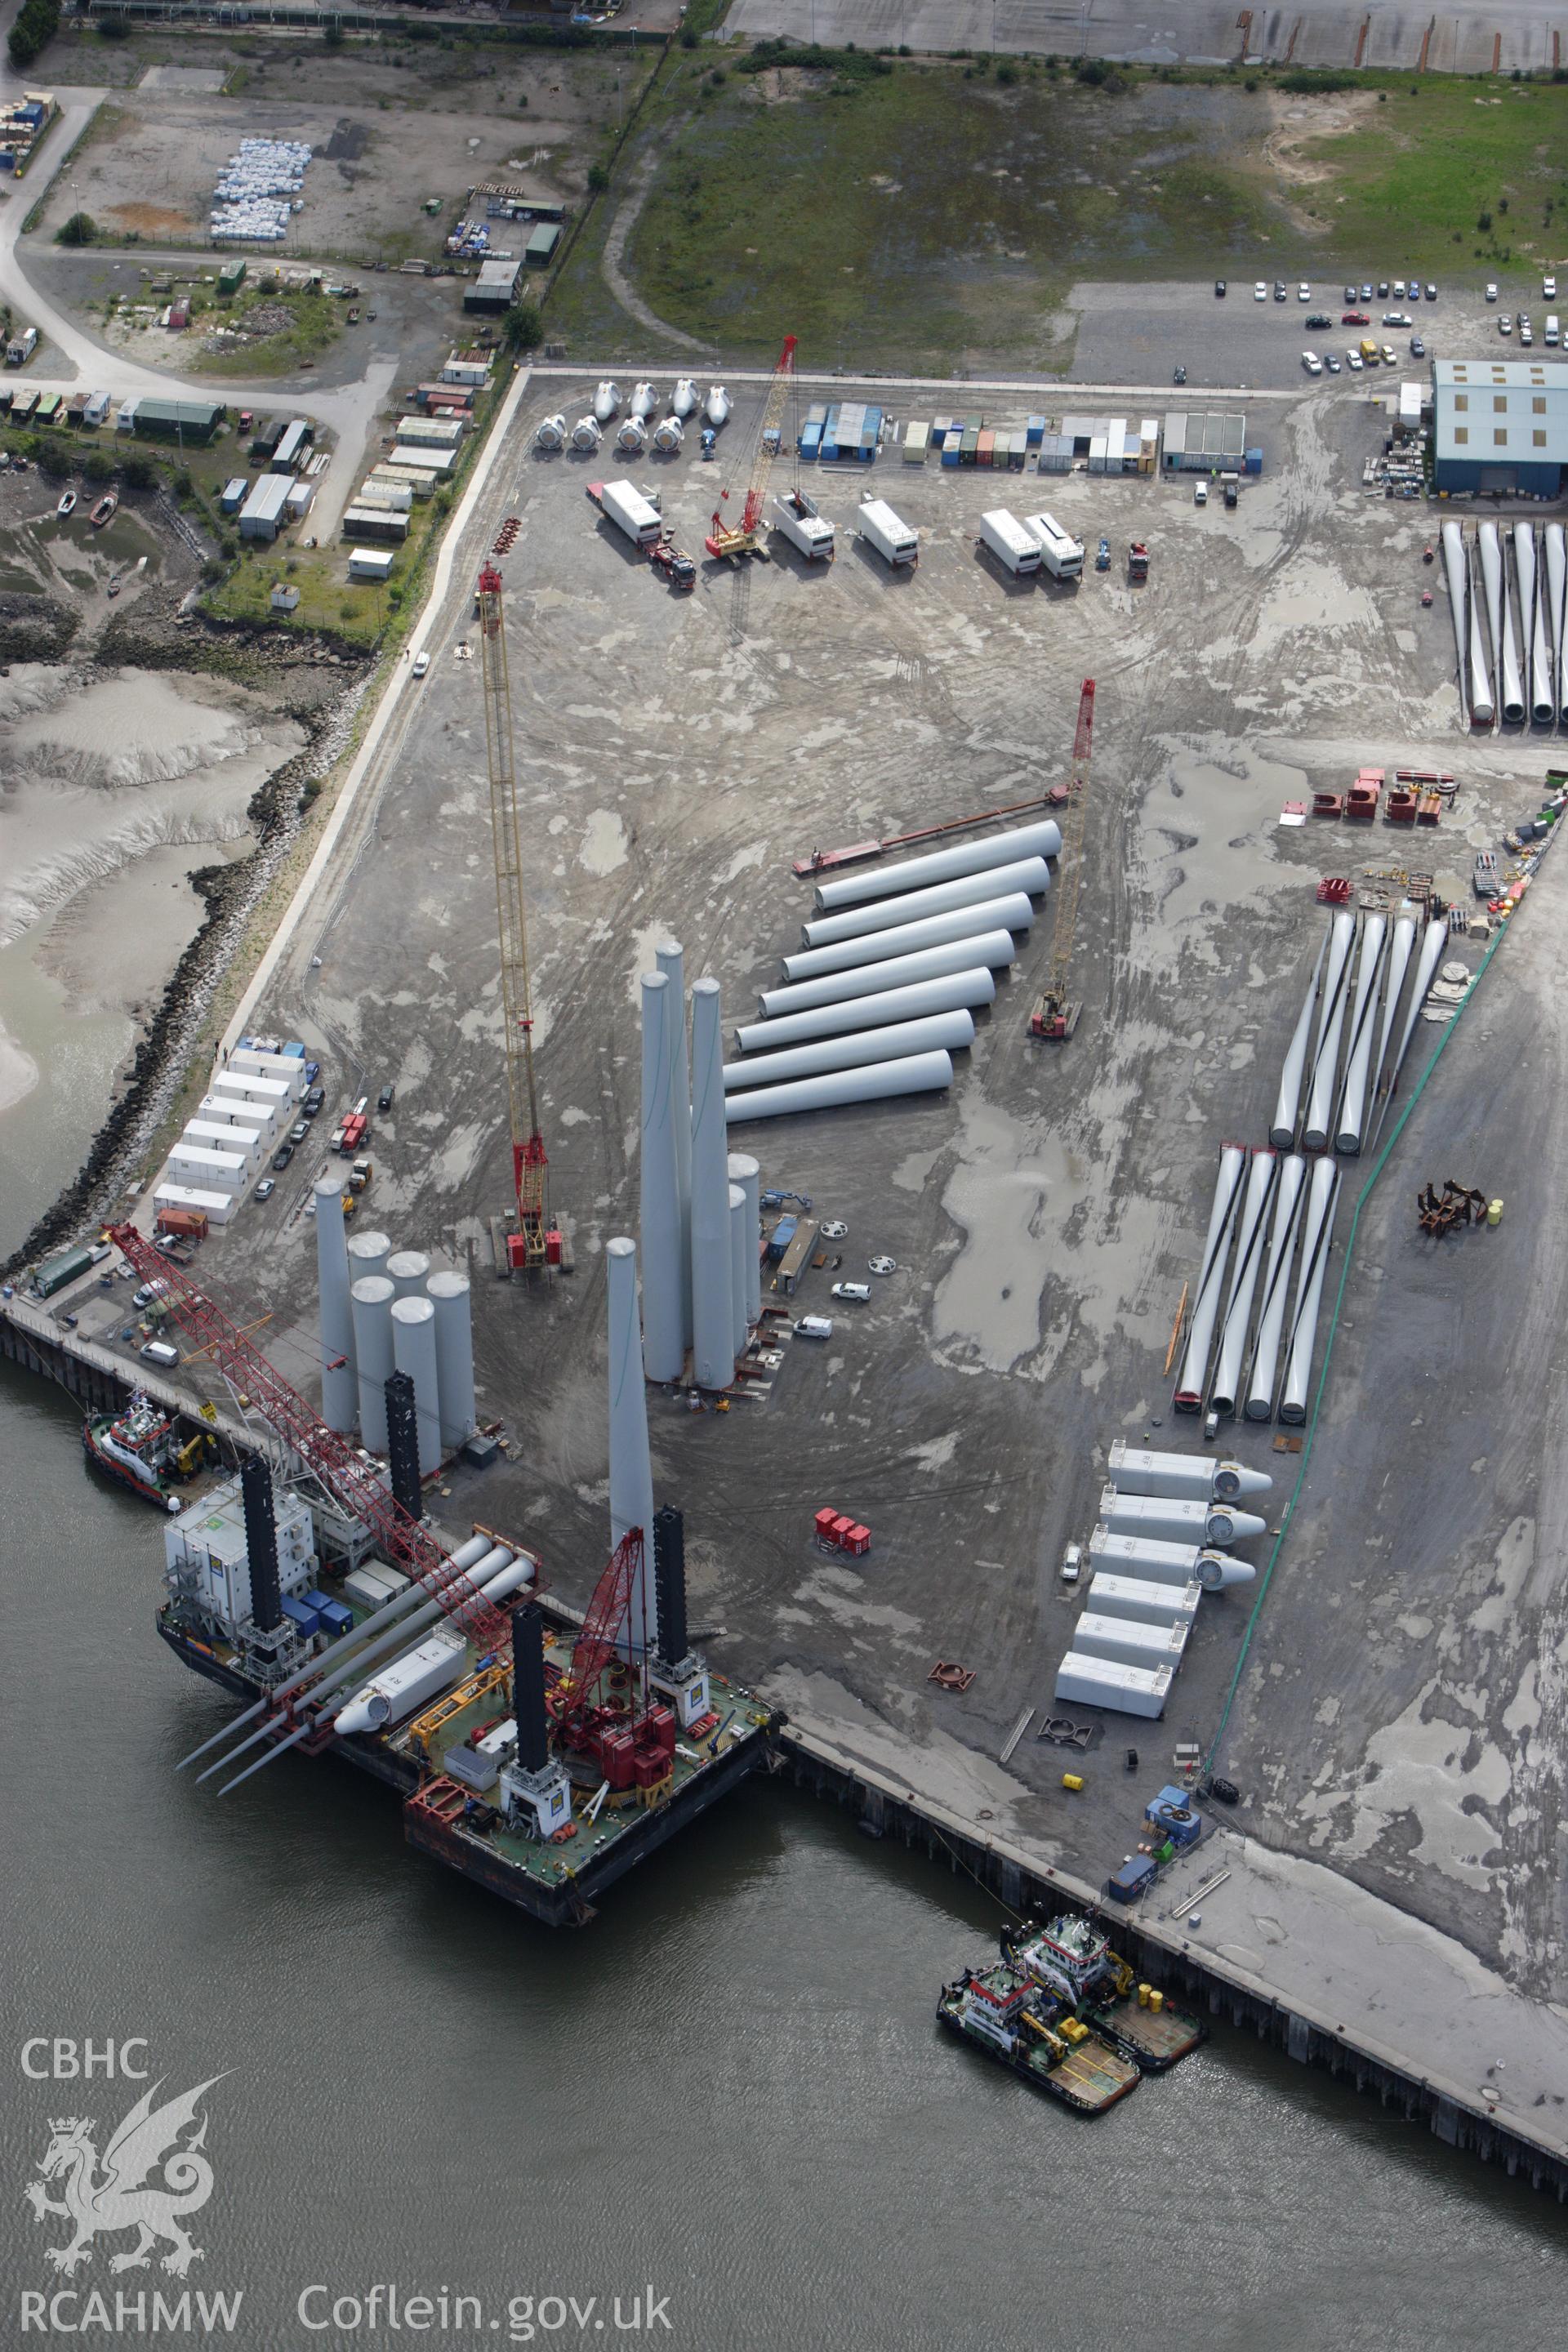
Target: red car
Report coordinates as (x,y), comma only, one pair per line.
(1355,319)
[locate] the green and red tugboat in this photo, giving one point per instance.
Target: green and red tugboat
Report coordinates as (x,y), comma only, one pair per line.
(1072,1964)
(1002,2011)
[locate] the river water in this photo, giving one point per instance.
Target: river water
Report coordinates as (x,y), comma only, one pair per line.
(728,2093)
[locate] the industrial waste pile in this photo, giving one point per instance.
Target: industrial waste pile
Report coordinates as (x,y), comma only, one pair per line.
(257,189)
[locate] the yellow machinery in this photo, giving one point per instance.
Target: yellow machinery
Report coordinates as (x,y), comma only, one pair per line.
(745,538)
(1055,1017)
(529,1248)
(424,1728)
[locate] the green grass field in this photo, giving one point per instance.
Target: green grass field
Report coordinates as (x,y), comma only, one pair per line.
(932,216)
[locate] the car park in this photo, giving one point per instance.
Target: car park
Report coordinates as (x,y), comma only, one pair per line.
(265,1189)
(1311,362)
(856,1291)
(282,1156)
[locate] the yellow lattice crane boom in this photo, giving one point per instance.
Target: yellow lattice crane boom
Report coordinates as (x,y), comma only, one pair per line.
(529,1248)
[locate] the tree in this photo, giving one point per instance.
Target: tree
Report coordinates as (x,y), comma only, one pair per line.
(598,178)
(138,473)
(36,23)
(96,467)
(80,229)
(524,326)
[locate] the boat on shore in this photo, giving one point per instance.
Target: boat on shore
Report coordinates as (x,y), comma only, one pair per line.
(1072,1964)
(140,1448)
(68,504)
(1001,2011)
(104,509)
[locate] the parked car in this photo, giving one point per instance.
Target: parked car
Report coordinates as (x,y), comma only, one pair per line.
(1201,494)
(1549,289)
(312,1071)
(1311,362)
(1219,287)
(1395,318)
(1399,290)
(1355,319)
(1390,356)
(1281,292)
(148,1293)
(1319,321)
(1330,363)
(1349,293)
(1354,361)
(1366,291)
(1417,348)
(300,1131)
(1525,337)
(1261,292)
(1303,292)
(265,1189)
(383,1099)
(858,1291)
(282,1156)
(1431,292)
(1383,289)
(421,664)
(313,1104)
(1505,324)
(1492,293)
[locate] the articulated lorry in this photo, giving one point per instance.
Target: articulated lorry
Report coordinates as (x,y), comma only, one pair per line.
(624,505)
(1061,554)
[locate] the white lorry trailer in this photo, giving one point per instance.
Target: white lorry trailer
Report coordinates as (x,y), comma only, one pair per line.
(627,507)
(1060,552)
(880,528)
(797,516)
(1012,543)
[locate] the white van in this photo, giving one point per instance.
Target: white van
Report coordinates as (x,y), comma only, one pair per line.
(1553,331)
(158,1351)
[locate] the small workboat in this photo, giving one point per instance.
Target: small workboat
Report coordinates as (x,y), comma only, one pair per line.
(66,505)
(1002,2011)
(104,509)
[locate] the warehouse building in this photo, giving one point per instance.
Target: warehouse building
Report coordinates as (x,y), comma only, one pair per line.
(173,420)
(266,511)
(1500,424)
(495,288)
(1200,441)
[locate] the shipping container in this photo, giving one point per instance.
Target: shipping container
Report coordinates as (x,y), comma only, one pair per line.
(1035,431)
(968,441)
(1086,1681)
(953,446)
(1062,554)
(301,1616)
(917,440)
(372,1584)
(984,448)
(624,504)
(192,1223)
(68,1266)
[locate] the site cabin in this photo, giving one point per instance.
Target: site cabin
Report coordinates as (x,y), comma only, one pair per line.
(624,504)
(880,528)
(1061,554)
(1015,547)
(796,516)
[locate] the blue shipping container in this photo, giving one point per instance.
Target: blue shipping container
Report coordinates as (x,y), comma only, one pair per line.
(295,1049)
(304,1620)
(1035,428)
(951,445)
(810,441)
(335,1619)
(1255,461)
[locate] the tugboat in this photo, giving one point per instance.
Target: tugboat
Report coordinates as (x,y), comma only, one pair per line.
(1070,1960)
(140,1449)
(66,505)
(1003,2013)
(104,509)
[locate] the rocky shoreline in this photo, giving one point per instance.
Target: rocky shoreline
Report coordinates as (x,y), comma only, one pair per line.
(326,708)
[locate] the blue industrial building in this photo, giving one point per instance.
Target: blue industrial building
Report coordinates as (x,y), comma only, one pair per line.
(1500,424)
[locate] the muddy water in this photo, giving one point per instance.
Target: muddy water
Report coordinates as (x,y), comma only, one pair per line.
(116,785)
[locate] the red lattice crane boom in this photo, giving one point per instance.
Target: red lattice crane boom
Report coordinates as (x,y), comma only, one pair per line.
(528,1248)
(744,538)
(604,1627)
(347,1478)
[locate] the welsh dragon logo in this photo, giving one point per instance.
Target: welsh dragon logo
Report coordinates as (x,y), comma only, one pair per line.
(102,2203)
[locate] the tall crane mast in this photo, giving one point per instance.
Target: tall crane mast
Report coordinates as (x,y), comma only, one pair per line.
(745,537)
(1055,1016)
(530,1164)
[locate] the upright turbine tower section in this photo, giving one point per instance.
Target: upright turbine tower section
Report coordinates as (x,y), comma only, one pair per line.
(527,1248)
